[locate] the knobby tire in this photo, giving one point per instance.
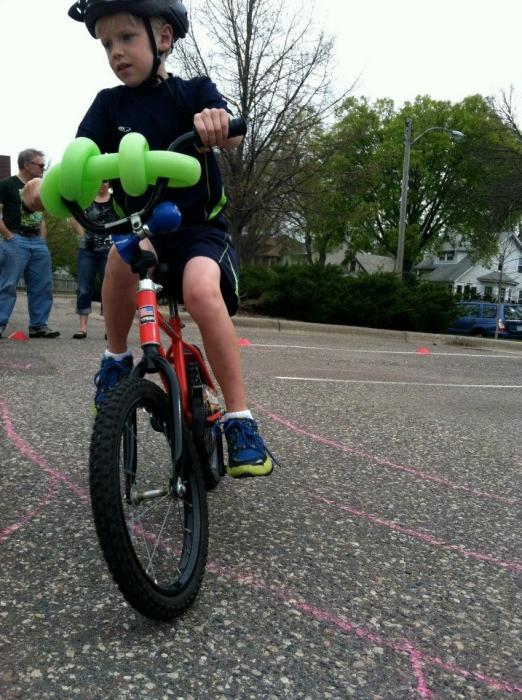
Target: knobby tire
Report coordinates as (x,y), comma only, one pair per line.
(156,547)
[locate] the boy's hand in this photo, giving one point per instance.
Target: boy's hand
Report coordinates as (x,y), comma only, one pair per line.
(31,194)
(212,127)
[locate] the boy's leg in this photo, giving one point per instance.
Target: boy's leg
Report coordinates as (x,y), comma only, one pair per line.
(204,302)
(203,299)
(119,301)
(102,264)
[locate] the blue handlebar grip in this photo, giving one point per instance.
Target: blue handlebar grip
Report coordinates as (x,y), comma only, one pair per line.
(125,244)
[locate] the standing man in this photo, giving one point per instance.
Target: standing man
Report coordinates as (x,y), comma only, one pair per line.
(23,249)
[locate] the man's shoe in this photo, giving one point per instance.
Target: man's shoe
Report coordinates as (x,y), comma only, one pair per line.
(110,373)
(43,332)
(247,454)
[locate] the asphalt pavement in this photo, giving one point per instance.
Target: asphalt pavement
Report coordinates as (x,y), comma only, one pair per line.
(381,560)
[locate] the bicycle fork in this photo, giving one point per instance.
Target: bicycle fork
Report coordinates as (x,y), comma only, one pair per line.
(153,361)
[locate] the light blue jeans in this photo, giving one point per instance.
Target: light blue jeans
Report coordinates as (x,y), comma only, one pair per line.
(30,258)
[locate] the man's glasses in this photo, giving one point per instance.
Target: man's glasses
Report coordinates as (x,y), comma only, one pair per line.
(39,165)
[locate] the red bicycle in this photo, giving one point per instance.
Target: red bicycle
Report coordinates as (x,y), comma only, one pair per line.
(156,446)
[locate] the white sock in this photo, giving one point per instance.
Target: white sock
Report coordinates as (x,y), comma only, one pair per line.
(238,414)
(117,355)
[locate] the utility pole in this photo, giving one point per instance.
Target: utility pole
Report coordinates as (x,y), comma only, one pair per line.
(408,143)
(399,262)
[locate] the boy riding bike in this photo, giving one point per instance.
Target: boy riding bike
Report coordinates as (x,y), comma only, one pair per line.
(137,36)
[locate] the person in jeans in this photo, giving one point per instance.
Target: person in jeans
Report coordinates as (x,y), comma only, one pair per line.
(92,254)
(23,250)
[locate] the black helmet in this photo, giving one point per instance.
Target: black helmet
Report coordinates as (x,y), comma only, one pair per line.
(173,11)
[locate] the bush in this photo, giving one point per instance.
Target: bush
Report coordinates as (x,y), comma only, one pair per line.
(327,295)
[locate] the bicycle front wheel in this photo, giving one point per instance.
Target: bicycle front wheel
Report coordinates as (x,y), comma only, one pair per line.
(153,532)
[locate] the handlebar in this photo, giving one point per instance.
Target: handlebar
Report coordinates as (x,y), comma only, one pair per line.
(70,186)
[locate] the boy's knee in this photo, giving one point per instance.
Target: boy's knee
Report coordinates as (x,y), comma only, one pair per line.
(202,299)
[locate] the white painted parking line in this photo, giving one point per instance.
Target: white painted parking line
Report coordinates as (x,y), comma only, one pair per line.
(376,381)
(509,356)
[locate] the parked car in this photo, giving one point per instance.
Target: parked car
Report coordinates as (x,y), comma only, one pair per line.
(479,318)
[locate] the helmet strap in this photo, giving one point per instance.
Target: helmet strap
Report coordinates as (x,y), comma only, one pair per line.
(156,59)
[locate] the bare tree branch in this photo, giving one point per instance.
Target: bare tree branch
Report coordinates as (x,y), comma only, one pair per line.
(274,68)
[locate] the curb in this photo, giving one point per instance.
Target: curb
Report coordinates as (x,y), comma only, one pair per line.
(281,325)
(406,336)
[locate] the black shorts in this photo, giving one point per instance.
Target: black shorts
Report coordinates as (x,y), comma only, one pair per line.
(175,249)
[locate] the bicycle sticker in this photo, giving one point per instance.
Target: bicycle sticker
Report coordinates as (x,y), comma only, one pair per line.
(146,315)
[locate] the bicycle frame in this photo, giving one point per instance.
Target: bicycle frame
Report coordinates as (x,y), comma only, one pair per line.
(172,363)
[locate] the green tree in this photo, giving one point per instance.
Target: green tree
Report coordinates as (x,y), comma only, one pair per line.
(470,189)
(62,242)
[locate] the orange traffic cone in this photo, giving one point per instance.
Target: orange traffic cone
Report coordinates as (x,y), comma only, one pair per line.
(18,335)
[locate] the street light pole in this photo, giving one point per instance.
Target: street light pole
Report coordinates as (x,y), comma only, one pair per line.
(408,143)
(399,262)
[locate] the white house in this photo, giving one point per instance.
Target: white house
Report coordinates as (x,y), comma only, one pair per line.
(361,262)
(454,267)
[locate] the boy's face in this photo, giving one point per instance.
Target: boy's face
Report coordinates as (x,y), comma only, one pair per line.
(127,46)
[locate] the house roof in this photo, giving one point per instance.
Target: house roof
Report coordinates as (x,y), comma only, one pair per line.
(449,272)
(337,257)
(494,278)
(375,263)
(282,245)
(428,264)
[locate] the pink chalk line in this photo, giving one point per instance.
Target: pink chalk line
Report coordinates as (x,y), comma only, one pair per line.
(418,659)
(15,366)
(385,462)
(27,451)
(424,537)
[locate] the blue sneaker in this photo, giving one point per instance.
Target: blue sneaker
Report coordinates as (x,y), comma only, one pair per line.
(247,454)
(109,374)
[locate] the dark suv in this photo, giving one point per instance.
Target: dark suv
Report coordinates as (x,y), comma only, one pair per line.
(479,318)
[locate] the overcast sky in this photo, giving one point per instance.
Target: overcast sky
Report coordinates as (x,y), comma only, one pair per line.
(51,68)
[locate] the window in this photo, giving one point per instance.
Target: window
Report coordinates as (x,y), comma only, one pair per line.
(490,311)
(447,255)
(512,313)
(470,309)
(459,289)
(520,266)
(488,292)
